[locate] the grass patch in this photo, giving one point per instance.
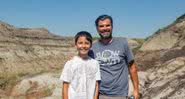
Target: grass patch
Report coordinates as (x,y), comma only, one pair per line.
(10,79)
(7,80)
(140,42)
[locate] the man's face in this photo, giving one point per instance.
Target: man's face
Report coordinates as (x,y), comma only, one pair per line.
(104,28)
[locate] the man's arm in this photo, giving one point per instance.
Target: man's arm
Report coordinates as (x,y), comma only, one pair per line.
(134,78)
(96,90)
(65,90)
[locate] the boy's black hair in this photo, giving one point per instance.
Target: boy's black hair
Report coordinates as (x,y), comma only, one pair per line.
(83,33)
(103,17)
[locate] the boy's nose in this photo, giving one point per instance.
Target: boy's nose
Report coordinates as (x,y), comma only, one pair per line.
(83,45)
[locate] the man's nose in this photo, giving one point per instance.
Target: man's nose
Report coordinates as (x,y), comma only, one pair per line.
(104,28)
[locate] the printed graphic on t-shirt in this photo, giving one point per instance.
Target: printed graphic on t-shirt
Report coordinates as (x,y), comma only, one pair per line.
(108,57)
(84,75)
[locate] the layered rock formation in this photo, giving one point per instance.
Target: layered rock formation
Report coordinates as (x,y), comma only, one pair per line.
(27,52)
(162,59)
(169,37)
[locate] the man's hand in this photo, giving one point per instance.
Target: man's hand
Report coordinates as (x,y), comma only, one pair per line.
(136,94)
(134,78)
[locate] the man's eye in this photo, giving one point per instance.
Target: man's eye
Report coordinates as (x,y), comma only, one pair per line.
(108,25)
(100,25)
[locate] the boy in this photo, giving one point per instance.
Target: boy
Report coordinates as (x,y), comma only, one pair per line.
(81,74)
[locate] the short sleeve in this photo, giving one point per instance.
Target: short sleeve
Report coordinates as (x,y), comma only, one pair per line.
(128,52)
(66,74)
(98,76)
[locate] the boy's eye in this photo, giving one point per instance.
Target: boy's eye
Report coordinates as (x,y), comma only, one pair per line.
(87,43)
(80,42)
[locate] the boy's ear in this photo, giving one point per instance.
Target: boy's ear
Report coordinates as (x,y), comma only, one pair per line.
(75,46)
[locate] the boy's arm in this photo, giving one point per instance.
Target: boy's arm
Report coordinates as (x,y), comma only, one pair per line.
(96,90)
(134,78)
(65,90)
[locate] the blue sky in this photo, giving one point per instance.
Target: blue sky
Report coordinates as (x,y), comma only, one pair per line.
(132,18)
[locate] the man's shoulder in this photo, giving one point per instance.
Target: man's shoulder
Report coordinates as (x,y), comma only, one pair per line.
(95,41)
(95,44)
(120,39)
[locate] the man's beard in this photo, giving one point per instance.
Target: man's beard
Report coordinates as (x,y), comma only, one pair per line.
(106,36)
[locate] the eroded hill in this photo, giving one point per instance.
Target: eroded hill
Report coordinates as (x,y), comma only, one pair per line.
(27,52)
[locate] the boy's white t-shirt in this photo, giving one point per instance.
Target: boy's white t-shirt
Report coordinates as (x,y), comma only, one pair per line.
(82,76)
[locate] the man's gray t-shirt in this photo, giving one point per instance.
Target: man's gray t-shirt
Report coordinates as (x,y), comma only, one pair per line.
(113,59)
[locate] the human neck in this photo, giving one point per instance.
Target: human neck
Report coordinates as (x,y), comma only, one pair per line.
(84,57)
(106,40)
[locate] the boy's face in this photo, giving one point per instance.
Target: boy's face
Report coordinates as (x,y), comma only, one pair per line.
(83,46)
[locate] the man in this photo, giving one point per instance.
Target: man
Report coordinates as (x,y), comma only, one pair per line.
(116,62)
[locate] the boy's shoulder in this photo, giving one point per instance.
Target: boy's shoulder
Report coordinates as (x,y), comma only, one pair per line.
(77,59)
(74,59)
(72,62)
(93,60)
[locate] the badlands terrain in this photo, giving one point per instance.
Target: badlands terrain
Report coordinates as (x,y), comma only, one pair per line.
(31,61)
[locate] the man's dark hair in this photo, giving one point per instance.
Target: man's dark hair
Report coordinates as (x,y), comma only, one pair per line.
(103,17)
(85,34)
